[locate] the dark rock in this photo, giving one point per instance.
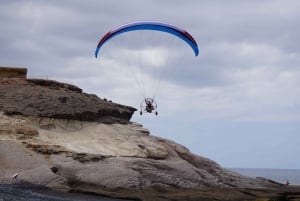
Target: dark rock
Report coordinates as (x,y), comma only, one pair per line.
(13,72)
(54,169)
(52,99)
(54,84)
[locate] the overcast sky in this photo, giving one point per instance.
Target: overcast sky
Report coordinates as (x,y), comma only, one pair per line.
(237,103)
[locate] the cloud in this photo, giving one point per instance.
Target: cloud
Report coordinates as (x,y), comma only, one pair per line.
(247,72)
(245,59)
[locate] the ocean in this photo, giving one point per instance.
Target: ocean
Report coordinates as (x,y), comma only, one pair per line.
(27,193)
(279,175)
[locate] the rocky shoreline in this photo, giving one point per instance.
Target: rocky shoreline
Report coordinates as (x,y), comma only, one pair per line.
(54,135)
(16,192)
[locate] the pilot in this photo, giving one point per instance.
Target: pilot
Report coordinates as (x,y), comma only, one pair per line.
(149,106)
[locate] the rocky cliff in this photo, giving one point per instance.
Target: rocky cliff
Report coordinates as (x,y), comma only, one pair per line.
(52,99)
(52,134)
(13,72)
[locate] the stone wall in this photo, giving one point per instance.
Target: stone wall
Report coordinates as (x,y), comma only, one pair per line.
(13,72)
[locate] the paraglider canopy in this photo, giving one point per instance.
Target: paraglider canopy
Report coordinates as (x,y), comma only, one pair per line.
(148,105)
(150,25)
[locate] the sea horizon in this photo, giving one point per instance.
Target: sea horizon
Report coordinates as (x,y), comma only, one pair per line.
(281,175)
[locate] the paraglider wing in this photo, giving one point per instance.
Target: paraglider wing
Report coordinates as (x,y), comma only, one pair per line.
(150,25)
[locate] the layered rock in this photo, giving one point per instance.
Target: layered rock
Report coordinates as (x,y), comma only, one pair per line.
(49,140)
(13,72)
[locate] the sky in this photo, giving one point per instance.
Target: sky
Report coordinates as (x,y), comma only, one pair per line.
(237,103)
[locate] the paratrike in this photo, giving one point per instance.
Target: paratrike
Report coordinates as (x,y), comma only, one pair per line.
(145,54)
(148,105)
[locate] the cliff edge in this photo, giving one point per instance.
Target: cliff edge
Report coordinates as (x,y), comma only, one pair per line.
(52,134)
(52,99)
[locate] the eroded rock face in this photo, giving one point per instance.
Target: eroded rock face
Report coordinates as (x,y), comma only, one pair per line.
(54,135)
(46,98)
(117,160)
